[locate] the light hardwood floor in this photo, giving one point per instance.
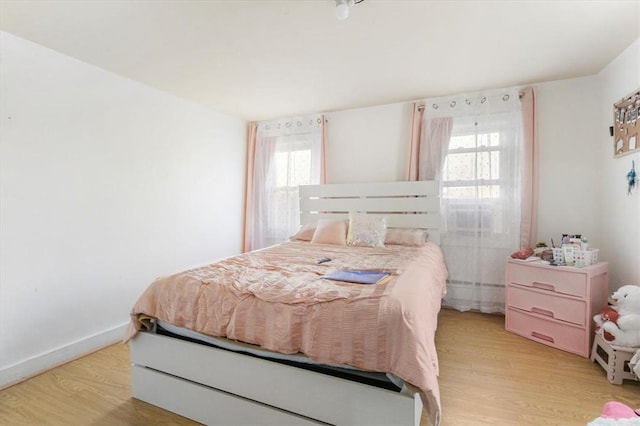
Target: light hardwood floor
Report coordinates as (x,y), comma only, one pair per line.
(487,377)
(491,377)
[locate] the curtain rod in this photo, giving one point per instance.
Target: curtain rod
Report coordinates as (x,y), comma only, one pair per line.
(521,95)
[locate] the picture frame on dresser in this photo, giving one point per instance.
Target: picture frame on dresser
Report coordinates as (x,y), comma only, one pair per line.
(555,305)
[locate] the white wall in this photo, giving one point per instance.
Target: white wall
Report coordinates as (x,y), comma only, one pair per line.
(368,144)
(105,184)
(569,161)
(620,218)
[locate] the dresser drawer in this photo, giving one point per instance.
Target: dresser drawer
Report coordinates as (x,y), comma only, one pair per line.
(557,281)
(549,332)
(548,304)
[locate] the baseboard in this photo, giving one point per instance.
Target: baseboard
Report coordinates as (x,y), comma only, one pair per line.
(38,364)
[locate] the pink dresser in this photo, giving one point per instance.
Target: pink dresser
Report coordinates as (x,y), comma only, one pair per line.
(555,305)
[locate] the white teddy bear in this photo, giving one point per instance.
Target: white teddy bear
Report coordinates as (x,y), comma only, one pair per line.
(626,329)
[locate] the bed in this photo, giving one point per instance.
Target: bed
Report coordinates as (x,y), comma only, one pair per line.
(279,344)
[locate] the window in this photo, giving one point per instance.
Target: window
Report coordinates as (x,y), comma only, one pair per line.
(472,167)
(481,177)
(286,153)
(292,167)
(475,179)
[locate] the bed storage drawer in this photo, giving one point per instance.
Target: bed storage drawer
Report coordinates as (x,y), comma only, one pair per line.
(200,403)
(562,336)
(553,306)
(309,394)
(552,281)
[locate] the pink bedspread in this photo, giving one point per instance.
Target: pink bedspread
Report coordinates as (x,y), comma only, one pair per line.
(276,298)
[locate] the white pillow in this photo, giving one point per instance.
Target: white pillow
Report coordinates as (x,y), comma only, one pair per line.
(366,231)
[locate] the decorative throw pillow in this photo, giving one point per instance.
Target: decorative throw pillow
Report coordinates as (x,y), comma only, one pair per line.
(305,233)
(414,237)
(366,231)
(330,231)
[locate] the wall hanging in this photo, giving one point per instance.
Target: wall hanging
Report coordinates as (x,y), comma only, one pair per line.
(626,125)
(631,177)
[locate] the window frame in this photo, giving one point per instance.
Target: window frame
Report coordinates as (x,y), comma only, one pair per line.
(485,207)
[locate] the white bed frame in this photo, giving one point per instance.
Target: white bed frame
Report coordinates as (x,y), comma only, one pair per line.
(404,204)
(215,386)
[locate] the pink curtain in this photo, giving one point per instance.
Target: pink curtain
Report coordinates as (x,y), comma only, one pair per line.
(428,145)
(263,196)
(414,142)
(436,133)
(252,132)
(529,210)
(259,158)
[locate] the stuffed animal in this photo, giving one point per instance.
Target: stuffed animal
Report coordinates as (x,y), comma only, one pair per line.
(625,330)
(523,253)
(617,414)
(608,313)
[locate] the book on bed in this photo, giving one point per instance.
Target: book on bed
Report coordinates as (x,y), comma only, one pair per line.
(357,276)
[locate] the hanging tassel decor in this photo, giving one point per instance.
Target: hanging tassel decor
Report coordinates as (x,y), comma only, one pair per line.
(631,177)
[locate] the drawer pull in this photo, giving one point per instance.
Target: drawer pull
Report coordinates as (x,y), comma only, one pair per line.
(542,336)
(543,286)
(541,311)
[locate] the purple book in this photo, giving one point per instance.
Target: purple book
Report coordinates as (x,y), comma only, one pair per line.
(355,276)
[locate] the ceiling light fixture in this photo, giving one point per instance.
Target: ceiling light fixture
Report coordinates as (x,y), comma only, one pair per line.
(343,7)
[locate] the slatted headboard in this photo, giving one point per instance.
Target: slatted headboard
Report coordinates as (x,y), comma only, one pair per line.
(404,204)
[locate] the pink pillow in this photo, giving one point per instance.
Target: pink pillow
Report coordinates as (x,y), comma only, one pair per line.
(305,233)
(330,231)
(406,236)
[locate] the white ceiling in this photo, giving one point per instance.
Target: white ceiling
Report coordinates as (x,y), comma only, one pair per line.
(262,59)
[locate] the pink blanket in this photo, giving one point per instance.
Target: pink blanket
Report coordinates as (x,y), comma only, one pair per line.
(276,298)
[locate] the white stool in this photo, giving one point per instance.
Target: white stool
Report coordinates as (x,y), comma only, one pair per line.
(614,359)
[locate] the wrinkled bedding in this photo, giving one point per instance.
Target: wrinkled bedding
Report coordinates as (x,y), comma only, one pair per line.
(276,298)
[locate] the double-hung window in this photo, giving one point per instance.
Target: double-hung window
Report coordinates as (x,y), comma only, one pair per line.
(292,164)
(480,153)
(288,153)
(478,178)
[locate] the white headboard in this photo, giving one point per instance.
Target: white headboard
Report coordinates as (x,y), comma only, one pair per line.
(404,204)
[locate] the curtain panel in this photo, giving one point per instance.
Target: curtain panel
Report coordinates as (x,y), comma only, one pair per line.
(529,212)
(415,138)
(281,155)
(436,132)
(475,145)
(252,132)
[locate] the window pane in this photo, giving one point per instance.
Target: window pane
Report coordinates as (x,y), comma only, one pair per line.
(459,167)
(466,141)
(488,165)
(460,192)
(469,141)
(489,139)
(472,166)
(281,164)
(300,168)
(292,168)
(471,192)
